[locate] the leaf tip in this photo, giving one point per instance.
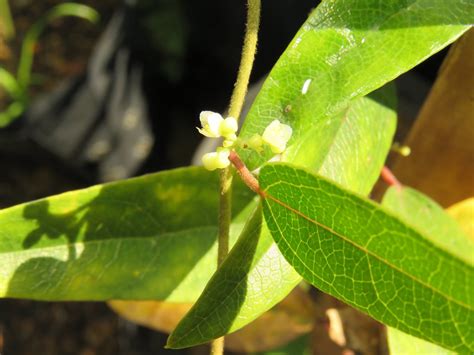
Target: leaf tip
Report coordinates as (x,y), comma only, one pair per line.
(177,341)
(171,342)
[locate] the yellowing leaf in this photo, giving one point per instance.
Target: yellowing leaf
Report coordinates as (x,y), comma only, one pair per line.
(463,213)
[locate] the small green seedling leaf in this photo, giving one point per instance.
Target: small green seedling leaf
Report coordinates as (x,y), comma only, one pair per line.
(356,251)
(27,51)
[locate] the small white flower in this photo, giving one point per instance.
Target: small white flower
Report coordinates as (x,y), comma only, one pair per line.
(228,128)
(216,160)
(276,135)
(211,123)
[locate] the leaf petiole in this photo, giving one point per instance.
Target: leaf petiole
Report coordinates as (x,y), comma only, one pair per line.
(245,174)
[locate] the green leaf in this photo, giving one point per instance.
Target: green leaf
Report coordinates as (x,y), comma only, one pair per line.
(9,83)
(268,278)
(430,219)
(356,251)
(345,50)
(151,237)
(6,21)
(401,343)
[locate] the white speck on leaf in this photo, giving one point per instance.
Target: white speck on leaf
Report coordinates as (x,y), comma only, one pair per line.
(305,87)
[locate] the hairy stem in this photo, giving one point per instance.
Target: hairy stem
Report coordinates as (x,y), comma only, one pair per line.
(246,61)
(225,207)
(235,107)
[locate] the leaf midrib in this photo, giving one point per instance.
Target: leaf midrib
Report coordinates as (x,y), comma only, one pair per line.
(98,241)
(363,249)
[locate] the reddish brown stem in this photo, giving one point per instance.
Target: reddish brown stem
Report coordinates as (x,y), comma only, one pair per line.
(245,174)
(389,178)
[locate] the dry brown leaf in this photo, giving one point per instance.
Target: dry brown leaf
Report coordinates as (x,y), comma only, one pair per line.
(442,161)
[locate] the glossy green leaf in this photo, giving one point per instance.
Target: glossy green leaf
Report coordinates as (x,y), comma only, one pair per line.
(269,278)
(151,237)
(345,50)
(356,251)
(430,219)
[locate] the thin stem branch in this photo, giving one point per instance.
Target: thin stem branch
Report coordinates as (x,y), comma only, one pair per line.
(236,103)
(245,174)
(389,178)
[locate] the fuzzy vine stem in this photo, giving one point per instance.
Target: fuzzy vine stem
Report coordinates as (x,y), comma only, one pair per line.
(235,108)
(246,61)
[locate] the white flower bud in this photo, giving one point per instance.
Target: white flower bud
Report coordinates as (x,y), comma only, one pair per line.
(277,135)
(228,128)
(210,122)
(227,143)
(216,160)
(255,142)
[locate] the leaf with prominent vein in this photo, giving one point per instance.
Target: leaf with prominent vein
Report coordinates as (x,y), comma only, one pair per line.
(430,219)
(356,251)
(151,237)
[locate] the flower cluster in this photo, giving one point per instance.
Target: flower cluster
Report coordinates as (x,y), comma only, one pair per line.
(275,136)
